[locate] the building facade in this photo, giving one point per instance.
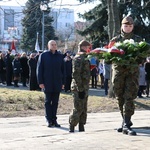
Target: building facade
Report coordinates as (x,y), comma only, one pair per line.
(11,28)
(63,22)
(10,25)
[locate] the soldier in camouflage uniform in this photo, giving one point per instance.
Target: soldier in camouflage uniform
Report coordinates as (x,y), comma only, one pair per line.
(80,87)
(125,79)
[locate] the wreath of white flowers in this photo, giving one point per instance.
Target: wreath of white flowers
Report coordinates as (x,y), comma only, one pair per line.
(125,52)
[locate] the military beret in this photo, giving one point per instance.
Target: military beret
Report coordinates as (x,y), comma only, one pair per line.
(84,43)
(127,20)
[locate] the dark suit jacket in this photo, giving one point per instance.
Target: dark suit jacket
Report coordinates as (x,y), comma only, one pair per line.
(50,71)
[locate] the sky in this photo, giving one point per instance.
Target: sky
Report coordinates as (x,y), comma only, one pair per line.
(72,4)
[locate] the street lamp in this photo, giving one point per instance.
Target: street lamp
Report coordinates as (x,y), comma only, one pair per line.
(43,7)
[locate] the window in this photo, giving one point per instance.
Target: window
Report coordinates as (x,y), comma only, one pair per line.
(8,18)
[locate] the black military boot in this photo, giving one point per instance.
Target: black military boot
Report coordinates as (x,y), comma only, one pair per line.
(120,129)
(130,123)
(81,127)
(71,128)
(126,128)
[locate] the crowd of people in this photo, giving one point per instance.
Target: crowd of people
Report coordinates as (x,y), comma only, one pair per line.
(19,68)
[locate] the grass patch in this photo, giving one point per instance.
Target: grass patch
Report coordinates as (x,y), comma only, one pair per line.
(28,103)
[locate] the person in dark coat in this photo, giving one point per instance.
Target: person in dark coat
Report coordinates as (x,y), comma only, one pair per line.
(38,54)
(94,72)
(32,62)
(68,72)
(25,69)
(17,69)
(147,70)
(2,68)
(37,57)
(9,68)
(50,75)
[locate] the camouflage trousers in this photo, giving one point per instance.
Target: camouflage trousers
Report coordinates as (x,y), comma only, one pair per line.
(125,87)
(79,112)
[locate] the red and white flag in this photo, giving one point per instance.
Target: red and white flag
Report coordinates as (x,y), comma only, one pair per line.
(13,47)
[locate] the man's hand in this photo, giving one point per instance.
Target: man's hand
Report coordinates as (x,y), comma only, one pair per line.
(81,94)
(42,86)
(63,86)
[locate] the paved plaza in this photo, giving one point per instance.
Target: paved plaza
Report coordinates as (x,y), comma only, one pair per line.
(32,133)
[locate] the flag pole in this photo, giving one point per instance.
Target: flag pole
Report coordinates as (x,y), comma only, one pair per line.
(37,35)
(37,47)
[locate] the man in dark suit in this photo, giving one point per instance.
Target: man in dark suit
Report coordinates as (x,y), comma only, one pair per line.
(50,75)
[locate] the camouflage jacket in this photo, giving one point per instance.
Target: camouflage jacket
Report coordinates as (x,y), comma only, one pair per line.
(81,73)
(120,38)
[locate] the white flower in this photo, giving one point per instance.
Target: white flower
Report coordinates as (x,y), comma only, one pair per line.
(126,41)
(131,41)
(141,43)
(113,47)
(109,50)
(118,44)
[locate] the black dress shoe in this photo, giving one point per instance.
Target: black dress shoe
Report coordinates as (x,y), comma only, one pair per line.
(56,125)
(50,125)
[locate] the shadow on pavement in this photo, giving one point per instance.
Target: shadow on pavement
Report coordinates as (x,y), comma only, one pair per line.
(143,130)
(96,92)
(142,105)
(92,92)
(15,88)
(63,128)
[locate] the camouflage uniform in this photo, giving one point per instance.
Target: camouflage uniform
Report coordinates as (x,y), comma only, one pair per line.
(125,78)
(125,81)
(80,82)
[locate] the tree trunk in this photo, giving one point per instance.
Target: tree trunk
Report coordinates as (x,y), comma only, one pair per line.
(110,20)
(116,20)
(113,18)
